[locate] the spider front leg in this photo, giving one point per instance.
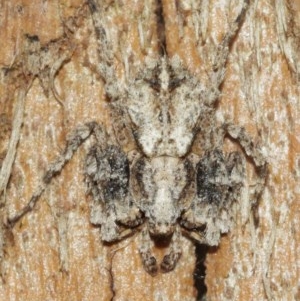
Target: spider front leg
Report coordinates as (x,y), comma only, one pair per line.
(106,67)
(219,179)
(220,56)
(107,177)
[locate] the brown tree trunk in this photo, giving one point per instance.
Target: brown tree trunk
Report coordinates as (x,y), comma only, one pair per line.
(49,85)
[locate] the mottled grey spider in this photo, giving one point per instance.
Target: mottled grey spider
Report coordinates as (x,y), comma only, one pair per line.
(161,186)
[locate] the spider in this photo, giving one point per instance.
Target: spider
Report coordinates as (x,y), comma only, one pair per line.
(161,186)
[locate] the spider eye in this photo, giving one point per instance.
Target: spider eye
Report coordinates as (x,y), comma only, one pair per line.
(175,83)
(153,83)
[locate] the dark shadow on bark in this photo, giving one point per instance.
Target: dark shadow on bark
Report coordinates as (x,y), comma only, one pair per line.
(200,271)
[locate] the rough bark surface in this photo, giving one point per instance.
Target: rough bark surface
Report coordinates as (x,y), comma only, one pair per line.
(54,253)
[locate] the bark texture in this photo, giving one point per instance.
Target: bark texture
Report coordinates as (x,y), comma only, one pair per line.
(54,253)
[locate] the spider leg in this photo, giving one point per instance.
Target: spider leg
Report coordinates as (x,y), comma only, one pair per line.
(224,47)
(106,66)
(221,56)
(107,178)
(240,135)
(73,143)
(219,179)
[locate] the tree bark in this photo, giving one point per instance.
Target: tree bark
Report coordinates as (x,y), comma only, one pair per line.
(54,253)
